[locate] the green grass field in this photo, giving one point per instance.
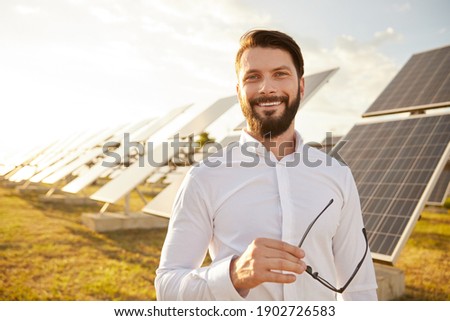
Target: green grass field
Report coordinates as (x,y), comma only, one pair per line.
(47,254)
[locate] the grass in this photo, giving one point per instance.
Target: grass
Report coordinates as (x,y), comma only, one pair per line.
(426,259)
(47,254)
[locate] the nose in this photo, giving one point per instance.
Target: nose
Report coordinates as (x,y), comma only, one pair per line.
(267,87)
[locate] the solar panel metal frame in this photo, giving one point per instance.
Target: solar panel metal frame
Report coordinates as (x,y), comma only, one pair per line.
(312,84)
(442,188)
(422,83)
(415,214)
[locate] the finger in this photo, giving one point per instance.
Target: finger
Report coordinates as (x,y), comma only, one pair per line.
(279,254)
(281,246)
(278,277)
(285,265)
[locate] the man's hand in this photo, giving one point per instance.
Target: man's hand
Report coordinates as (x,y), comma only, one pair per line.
(265,260)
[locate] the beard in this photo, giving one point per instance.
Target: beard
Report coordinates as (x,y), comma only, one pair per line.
(269,125)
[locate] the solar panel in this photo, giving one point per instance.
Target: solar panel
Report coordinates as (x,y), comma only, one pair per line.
(42,161)
(312,84)
(161,204)
(98,169)
(158,174)
(70,167)
(161,153)
(175,175)
(327,143)
(5,169)
(395,165)
(88,178)
(73,153)
(17,161)
(60,164)
(442,189)
(423,83)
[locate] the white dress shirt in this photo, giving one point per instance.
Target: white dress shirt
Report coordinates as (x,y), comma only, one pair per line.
(243,193)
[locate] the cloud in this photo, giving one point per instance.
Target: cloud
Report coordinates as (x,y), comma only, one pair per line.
(387,35)
(402,7)
(364,72)
(211,25)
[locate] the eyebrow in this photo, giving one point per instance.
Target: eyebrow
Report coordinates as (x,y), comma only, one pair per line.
(283,67)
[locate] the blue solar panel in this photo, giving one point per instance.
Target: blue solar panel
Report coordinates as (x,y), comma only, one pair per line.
(393,162)
(423,83)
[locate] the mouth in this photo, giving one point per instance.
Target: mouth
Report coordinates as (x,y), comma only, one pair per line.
(269,102)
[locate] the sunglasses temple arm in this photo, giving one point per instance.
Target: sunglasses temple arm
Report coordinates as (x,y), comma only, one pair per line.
(359,264)
(312,223)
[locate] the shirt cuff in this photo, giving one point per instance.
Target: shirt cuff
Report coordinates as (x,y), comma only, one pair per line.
(219,281)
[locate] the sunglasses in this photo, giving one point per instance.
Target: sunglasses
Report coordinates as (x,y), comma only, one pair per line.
(315,275)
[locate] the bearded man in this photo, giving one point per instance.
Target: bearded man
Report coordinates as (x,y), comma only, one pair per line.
(267,224)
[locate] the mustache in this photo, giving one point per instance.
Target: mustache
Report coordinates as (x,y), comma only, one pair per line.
(269,99)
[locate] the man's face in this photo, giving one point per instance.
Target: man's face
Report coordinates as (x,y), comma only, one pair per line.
(269,90)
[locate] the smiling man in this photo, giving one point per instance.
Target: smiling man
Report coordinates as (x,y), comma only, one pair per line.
(267,224)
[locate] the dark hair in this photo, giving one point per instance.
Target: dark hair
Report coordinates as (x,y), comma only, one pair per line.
(270,39)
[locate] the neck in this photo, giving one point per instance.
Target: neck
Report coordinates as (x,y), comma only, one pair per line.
(281,145)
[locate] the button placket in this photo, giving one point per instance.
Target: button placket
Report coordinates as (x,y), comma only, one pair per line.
(283,190)
(287,221)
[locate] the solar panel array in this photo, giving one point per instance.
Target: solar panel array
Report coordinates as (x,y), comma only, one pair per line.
(143,133)
(423,83)
(393,162)
(134,175)
(442,188)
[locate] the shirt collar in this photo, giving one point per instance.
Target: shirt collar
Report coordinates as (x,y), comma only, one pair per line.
(255,145)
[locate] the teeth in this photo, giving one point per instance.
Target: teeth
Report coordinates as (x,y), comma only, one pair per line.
(270,104)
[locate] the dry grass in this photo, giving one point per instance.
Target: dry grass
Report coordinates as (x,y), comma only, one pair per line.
(47,254)
(426,259)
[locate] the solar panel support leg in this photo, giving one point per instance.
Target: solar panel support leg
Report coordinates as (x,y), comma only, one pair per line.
(104,207)
(25,185)
(142,197)
(127,204)
(50,192)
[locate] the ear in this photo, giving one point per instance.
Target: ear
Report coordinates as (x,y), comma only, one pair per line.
(238,90)
(302,87)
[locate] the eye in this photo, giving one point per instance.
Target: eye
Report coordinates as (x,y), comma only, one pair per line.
(280,74)
(251,77)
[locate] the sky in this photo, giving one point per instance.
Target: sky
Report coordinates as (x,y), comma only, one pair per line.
(68,67)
